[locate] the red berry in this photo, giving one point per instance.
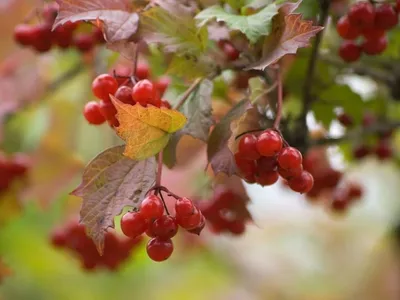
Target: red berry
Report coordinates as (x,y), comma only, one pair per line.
(269,143)
(245,166)
(345,119)
(184,207)
(302,183)
(124,94)
(190,222)
(104,85)
(374,47)
(373,33)
(108,110)
(340,201)
(237,227)
(398,6)
(93,114)
(159,249)
(288,174)
(385,17)
(50,12)
(98,35)
(197,230)
(162,84)
(133,224)
(266,164)
(230,51)
(24,34)
(63,37)
(59,238)
(248,147)
(43,37)
(362,15)
(84,42)
(267,178)
(355,191)
(383,150)
(145,93)
(164,227)
(142,71)
(346,30)
(349,51)
(165,103)
(361,151)
(151,208)
(290,158)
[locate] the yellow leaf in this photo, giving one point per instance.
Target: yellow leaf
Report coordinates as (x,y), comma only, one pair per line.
(146,130)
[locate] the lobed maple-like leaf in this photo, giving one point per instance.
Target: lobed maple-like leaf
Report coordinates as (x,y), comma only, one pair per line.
(110,182)
(120,23)
(146,130)
(290,32)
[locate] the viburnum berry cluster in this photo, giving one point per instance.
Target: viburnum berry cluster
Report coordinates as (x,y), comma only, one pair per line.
(127,89)
(226,212)
(154,219)
(72,236)
(41,37)
(12,167)
(262,158)
(369,21)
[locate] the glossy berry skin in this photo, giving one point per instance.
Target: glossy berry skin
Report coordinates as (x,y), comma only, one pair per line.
(108,110)
(248,147)
(84,42)
(346,30)
(162,84)
(230,51)
(245,166)
(302,183)
(63,37)
(164,227)
(104,85)
(374,47)
(159,249)
(133,224)
(362,15)
(151,208)
(24,34)
(349,51)
(124,94)
(267,178)
(190,222)
(184,207)
(290,158)
(269,143)
(373,33)
(385,17)
(92,113)
(288,174)
(145,93)
(142,71)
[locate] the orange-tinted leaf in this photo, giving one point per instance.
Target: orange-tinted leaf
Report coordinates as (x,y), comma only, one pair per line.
(146,130)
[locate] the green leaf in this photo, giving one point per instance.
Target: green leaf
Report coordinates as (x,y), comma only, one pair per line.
(198,111)
(177,33)
(393,47)
(110,182)
(309,9)
(257,89)
(190,66)
(253,26)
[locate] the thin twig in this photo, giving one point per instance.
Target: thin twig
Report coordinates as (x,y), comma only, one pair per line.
(186,95)
(159,168)
(278,116)
(135,63)
(163,201)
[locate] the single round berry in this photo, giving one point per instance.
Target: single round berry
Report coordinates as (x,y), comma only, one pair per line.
(108,110)
(362,15)
(63,37)
(374,47)
(151,208)
(164,227)
(58,238)
(190,222)
(142,71)
(124,94)
(237,227)
(385,17)
(92,113)
(145,93)
(162,84)
(288,174)
(361,151)
(24,34)
(248,147)
(104,85)
(84,42)
(43,38)
(290,158)
(269,143)
(230,51)
(302,183)
(197,230)
(383,150)
(267,178)
(355,191)
(133,224)
(349,51)
(373,33)
(340,201)
(346,30)
(159,249)
(184,207)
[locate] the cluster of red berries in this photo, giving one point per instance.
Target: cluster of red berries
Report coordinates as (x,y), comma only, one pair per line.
(153,219)
(41,37)
(226,212)
(231,53)
(327,182)
(261,159)
(72,236)
(369,21)
(125,90)
(382,149)
(11,168)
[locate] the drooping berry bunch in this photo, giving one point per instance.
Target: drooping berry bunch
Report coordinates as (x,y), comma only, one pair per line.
(264,157)
(11,168)
(369,21)
(380,147)
(72,236)
(127,90)
(154,219)
(41,37)
(226,212)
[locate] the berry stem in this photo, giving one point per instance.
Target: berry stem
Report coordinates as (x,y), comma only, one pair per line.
(163,201)
(159,169)
(278,117)
(186,95)
(135,63)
